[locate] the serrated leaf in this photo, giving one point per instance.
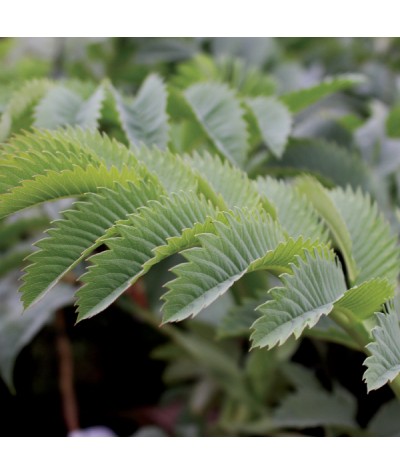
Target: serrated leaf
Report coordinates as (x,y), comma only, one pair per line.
(36,153)
(145,120)
(62,106)
(299,100)
(172,171)
(80,232)
(18,113)
(384,363)
(220,114)
(274,122)
(245,243)
(226,180)
(157,231)
(316,284)
(363,300)
(319,197)
(55,185)
(294,212)
(374,246)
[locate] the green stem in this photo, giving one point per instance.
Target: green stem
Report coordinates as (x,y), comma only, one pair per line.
(179,338)
(395,385)
(357,332)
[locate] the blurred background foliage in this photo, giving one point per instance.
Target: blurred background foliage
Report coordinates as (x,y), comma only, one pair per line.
(136,379)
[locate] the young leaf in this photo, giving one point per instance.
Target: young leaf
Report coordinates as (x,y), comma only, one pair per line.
(145,120)
(62,106)
(384,363)
(299,100)
(274,122)
(220,114)
(363,300)
(236,73)
(234,186)
(18,113)
(296,215)
(360,230)
(374,246)
(172,171)
(316,284)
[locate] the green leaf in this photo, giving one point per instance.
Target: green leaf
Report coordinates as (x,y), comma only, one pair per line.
(364,300)
(228,181)
(331,163)
(320,198)
(157,231)
(172,171)
(374,245)
(62,106)
(384,363)
(233,71)
(144,120)
(316,284)
(68,183)
(299,100)
(296,215)
(18,113)
(274,122)
(220,114)
(245,243)
(316,407)
(240,318)
(36,153)
(80,232)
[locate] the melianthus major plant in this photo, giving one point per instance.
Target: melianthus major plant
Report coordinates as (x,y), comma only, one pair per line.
(186,168)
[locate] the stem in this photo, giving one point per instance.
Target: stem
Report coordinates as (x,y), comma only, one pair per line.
(358,333)
(395,385)
(66,375)
(179,338)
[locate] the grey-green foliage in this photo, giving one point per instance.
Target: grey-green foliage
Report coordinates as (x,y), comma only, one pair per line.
(144,119)
(146,203)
